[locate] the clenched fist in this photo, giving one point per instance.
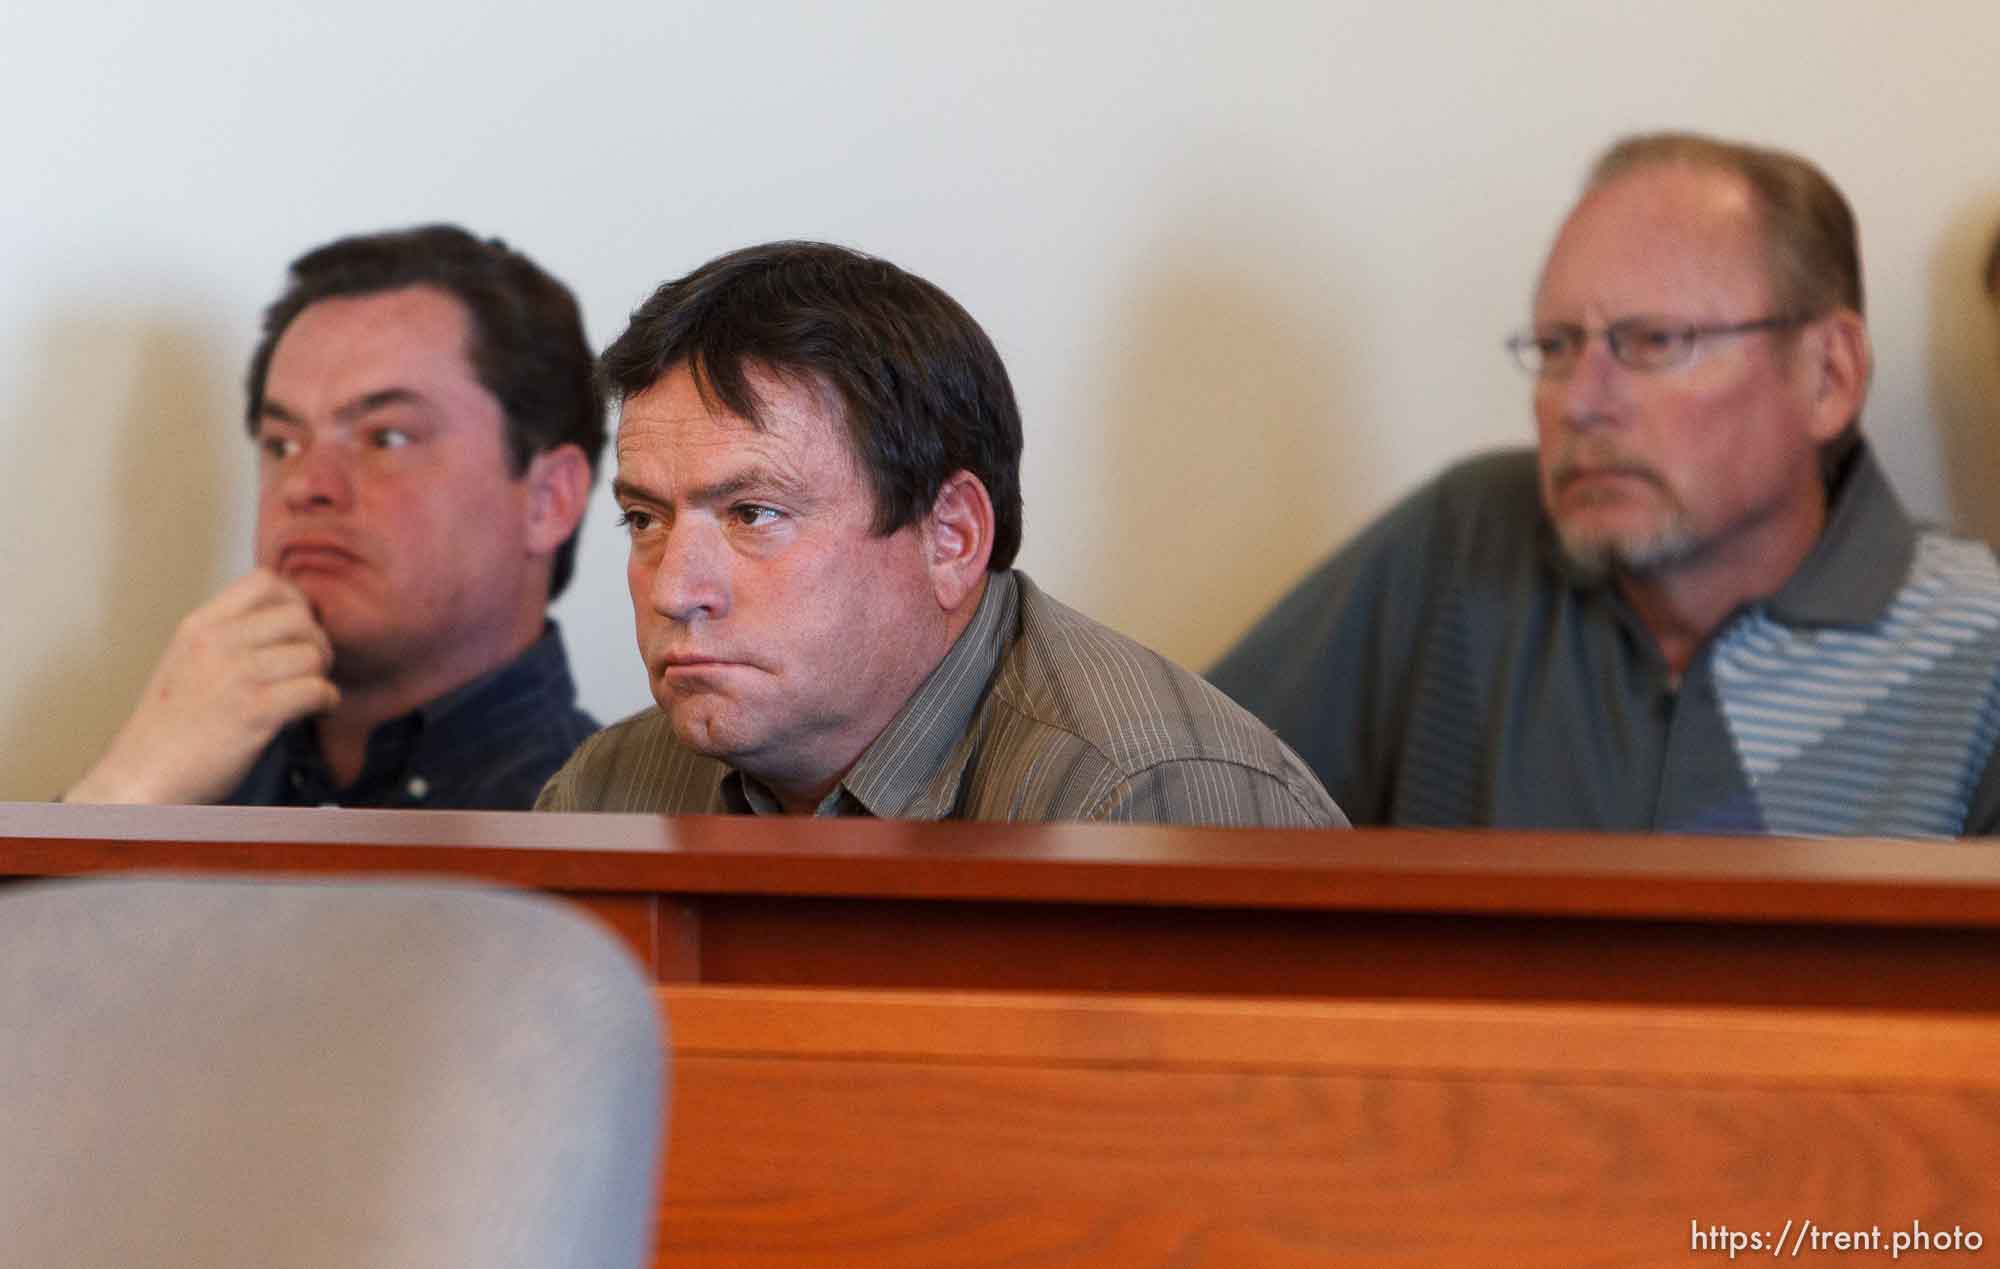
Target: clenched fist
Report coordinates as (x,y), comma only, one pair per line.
(239,667)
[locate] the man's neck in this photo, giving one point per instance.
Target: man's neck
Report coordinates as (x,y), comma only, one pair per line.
(1683,606)
(343,732)
(803,804)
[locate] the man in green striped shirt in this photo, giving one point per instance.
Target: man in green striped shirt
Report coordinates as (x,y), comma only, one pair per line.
(818,469)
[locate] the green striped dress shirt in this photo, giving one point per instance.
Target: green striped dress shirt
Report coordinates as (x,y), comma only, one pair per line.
(1036,713)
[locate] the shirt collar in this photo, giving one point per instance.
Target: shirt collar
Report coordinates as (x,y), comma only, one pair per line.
(1862,556)
(912,771)
(306,780)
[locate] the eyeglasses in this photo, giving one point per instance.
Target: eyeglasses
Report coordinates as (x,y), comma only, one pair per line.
(1640,343)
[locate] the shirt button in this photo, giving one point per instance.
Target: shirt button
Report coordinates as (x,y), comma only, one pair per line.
(418,788)
(298,778)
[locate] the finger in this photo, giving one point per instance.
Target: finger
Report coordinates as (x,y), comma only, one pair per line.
(280,624)
(295,659)
(258,588)
(305,611)
(231,621)
(293,699)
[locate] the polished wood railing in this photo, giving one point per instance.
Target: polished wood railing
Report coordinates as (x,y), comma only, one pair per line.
(956,1045)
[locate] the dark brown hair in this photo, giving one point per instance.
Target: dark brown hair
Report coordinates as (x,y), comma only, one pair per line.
(921,388)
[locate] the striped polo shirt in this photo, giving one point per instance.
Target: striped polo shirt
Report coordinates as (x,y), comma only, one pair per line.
(1035,713)
(1447,668)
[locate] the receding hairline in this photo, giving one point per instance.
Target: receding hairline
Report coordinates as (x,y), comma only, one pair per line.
(1807,227)
(1675,149)
(1617,168)
(1718,208)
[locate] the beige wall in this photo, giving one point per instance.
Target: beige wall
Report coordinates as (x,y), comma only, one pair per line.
(1250,264)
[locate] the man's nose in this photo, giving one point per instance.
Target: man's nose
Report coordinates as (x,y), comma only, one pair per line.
(319,475)
(691,576)
(1584,396)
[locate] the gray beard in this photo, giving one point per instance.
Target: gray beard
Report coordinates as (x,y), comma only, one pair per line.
(1669,547)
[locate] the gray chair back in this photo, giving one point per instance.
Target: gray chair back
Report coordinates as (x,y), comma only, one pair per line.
(256,1074)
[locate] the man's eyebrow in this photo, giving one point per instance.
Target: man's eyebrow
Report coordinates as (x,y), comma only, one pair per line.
(360,407)
(622,489)
(750,480)
(363,406)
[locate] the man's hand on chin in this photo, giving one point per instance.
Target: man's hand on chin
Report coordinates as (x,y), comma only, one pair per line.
(239,667)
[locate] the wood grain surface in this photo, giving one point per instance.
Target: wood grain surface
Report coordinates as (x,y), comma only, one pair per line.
(901,1131)
(1950,884)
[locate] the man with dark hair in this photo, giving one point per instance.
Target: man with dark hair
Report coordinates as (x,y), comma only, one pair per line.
(1699,606)
(818,467)
(428,424)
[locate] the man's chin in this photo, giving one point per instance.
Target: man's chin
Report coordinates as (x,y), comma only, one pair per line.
(706,729)
(336,603)
(1598,553)
(363,654)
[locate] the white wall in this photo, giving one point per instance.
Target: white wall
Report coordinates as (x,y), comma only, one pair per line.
(1250,264)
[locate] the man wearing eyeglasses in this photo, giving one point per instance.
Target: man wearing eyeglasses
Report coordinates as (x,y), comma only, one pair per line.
(1698,606)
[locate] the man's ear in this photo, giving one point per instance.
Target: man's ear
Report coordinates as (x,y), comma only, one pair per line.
(958,538)
(558,483)
(1843,362)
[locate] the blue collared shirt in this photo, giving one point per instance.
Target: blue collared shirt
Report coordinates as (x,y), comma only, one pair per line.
(488,745)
